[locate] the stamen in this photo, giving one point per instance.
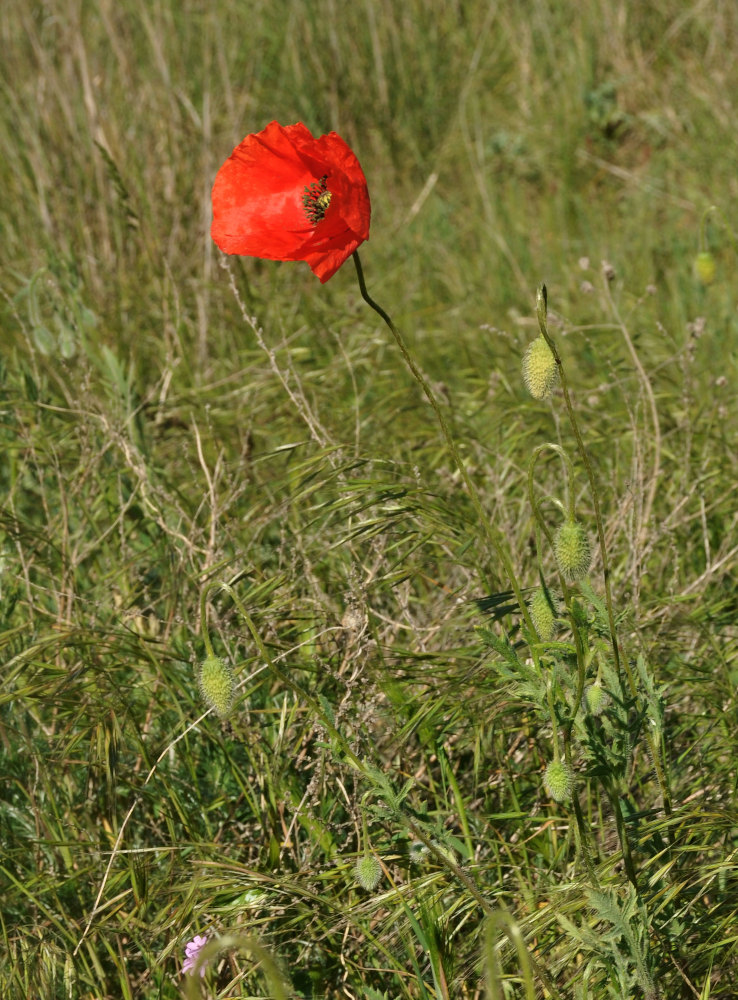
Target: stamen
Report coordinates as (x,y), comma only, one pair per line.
(316,200)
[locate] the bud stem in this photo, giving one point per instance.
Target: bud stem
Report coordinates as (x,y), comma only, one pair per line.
(542,310)
(209,651)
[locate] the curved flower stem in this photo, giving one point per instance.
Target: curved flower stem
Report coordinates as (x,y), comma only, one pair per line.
(501,919)
(568,465)
(237,942)
(364,846)
(630,869)
(584,837)
(714,210)
(493,536)
(542,527)
(554,722)
(541,309)
(209,651)
(703,245)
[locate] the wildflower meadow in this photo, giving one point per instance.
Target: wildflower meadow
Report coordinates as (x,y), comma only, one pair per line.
(368,522)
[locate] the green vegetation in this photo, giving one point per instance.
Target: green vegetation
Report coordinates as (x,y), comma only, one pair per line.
(221,461)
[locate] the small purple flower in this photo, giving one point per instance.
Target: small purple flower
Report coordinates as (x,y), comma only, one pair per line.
(192,950)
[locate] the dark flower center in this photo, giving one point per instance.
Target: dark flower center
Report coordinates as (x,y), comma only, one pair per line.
(316,199)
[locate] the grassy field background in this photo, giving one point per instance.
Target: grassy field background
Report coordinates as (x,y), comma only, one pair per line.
(171,422)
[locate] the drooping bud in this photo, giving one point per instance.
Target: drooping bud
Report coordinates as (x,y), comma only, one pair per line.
(705,267)
(539,369)
(557,780)
(368,872)
(572,550)
(417,852)
(217,685)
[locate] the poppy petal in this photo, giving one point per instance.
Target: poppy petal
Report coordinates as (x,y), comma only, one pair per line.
(259,199)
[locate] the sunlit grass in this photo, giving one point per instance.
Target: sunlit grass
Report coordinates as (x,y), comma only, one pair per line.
(161,434)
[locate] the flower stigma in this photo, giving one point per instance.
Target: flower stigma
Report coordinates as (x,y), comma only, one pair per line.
(316,200)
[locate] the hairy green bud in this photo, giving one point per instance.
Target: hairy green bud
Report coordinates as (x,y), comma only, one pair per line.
(572,550)
(542,614)
(705,267)
(595,698)
(558,781)
(368,872)
(217,685)
(539,369)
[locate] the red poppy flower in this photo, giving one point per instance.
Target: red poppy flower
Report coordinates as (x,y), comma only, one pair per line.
(284,195)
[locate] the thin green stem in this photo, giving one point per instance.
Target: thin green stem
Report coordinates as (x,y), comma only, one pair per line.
(648,505)
(493,536)
(630,870)
(542,526)
(209,651)
(542,313)
(541,310)
(443,859)
(501,919)
(703,245)
(568,465)
(552,713)
(714,210)
(364,832)
(583,834)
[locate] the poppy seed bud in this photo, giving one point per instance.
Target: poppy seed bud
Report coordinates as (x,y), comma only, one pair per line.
(595,698)
(542,615)
(557,780)
(539,369)
(217,685)
(705,267)
(572,551)
(368,872)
